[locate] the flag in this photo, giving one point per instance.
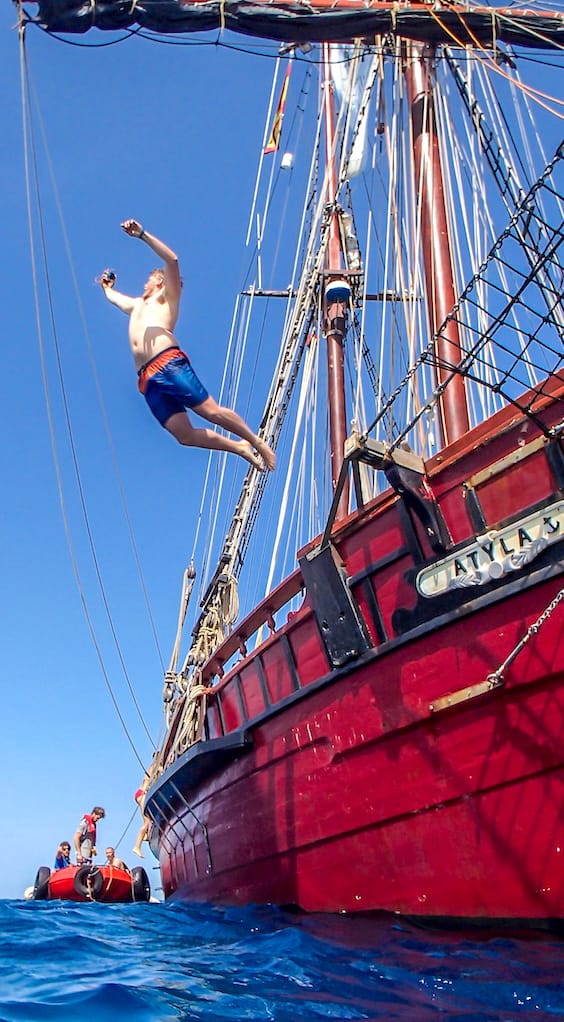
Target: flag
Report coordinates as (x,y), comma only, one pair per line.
(276,130)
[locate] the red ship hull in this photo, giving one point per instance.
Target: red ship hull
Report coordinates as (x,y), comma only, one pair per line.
(411,777)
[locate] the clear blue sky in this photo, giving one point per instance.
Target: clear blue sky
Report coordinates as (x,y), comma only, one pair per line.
(171,136)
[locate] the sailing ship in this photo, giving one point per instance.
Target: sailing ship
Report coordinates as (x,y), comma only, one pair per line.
(382,728)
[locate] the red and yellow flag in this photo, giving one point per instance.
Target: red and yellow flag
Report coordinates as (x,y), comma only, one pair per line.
(276,130)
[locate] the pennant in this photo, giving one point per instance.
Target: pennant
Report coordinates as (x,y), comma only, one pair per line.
(276,130)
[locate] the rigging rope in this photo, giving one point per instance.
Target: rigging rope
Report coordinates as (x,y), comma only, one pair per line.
(214,627)
(30,164)
(238,346)
(101,402)
(297,447)
(535,94)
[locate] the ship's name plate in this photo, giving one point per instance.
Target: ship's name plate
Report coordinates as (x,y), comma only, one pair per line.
(494,554)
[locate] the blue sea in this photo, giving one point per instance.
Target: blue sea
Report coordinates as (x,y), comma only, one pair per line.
(154,962)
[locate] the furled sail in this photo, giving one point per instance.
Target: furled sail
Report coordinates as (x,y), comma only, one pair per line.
(318,22)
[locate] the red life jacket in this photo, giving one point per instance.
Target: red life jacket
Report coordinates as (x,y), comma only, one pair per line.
(91,827)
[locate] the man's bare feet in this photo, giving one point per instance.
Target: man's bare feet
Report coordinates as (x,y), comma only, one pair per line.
(138,852)
(250,455)
(266,453)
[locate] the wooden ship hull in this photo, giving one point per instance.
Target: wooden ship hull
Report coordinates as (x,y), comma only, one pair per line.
(367,756)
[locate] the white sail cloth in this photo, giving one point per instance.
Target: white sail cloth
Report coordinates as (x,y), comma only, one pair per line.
(351,74)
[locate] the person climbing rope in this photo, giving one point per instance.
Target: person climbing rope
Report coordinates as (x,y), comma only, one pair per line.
(166,377)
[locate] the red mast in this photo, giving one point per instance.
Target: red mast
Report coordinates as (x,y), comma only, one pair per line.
(335,311)
(435,240)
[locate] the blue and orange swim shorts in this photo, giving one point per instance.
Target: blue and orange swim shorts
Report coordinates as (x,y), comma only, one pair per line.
(170,385)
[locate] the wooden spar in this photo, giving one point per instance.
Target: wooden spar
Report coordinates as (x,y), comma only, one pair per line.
(435,242)
(320,21)
(333,266)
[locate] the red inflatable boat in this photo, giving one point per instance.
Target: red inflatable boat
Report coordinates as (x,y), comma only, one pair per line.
(92,883)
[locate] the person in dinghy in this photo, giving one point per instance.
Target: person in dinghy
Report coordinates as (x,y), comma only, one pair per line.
(166,377)
(85,836)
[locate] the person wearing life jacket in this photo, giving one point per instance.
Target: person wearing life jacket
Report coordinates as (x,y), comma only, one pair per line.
(85,837)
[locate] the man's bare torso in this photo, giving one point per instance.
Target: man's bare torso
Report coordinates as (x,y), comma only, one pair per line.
(150,328)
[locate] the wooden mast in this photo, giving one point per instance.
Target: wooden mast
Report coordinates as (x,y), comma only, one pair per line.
(335,312)
(435,240)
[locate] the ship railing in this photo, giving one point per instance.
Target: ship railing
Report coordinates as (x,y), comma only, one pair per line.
(235,684)
(261,617)
(224,661)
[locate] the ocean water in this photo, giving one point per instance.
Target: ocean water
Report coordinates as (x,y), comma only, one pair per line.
(151,963)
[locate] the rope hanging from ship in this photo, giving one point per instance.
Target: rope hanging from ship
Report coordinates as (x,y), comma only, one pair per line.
(39,251)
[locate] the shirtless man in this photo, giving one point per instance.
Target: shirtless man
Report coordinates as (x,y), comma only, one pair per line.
(166,378)
(113,860)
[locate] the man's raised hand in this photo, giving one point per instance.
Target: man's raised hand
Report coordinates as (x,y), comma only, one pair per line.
(133,228)
(107,278)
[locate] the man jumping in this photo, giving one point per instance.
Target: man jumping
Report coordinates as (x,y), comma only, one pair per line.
(166,378)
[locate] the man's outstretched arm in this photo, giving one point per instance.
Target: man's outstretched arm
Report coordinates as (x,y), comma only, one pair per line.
(121,301)
(173,282)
